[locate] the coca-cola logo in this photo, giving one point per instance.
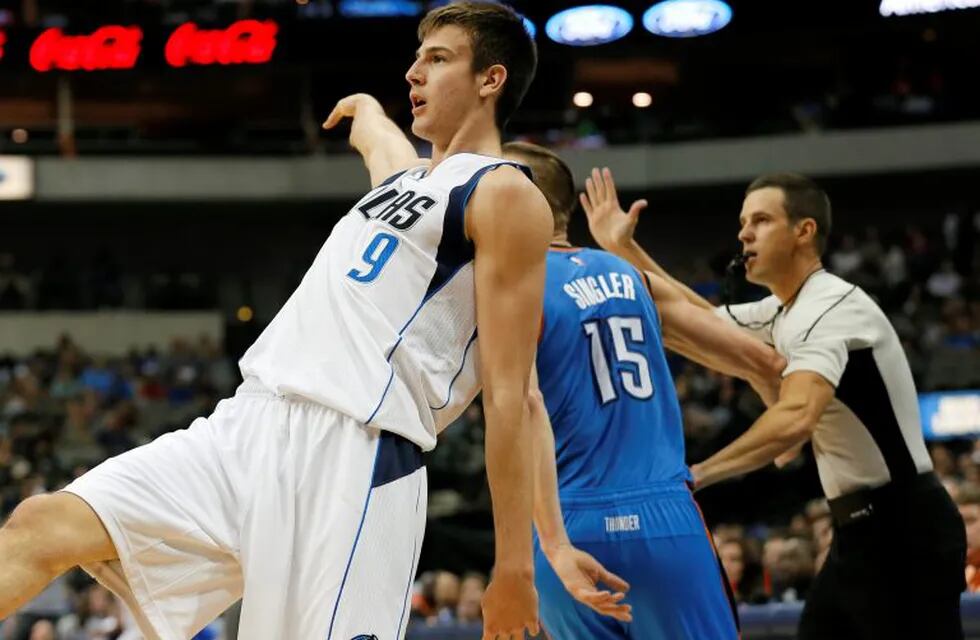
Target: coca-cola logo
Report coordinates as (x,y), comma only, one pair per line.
(109,47)
(243,42)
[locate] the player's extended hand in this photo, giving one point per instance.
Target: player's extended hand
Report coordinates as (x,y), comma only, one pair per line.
(510,605)
(581,573)
(347,108)
(608,223)
(788,456)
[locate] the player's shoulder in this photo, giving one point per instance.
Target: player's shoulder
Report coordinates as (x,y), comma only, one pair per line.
(507,195)
(507,181)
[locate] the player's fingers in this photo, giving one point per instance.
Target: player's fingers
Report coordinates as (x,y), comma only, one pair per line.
(534,628)
(610,579)
(590,190)
(333,118)
(621,612)
(608,183)
(600,597)
(600,187)
(636,208)
(586,205)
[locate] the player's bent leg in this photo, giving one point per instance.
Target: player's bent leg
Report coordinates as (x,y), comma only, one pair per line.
(46,536)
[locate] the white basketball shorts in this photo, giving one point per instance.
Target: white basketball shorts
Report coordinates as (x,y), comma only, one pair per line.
(314,520)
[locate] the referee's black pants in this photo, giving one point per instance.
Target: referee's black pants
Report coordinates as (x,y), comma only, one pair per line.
(895,574)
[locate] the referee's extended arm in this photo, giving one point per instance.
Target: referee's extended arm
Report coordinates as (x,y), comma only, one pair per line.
(803,397)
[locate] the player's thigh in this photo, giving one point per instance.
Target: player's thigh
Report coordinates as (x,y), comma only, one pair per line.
(564,618)
(59,530)
(677,588)
(332,540)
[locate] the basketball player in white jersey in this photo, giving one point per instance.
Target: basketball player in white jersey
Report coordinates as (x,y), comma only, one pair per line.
(304,494)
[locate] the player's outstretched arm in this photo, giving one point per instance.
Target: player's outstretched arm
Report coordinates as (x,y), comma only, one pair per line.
(510,224)
(385,149)
(701,336)
(803,397)
(577,570)
(613,228)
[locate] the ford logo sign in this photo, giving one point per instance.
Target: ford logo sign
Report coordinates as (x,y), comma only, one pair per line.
(589,25)
(687,18)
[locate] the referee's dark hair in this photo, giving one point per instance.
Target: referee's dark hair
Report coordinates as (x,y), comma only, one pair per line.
(802,198)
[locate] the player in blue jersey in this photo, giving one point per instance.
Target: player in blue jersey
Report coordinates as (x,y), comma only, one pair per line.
(617,434)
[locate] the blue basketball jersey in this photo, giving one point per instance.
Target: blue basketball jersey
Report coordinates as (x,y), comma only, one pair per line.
(604,376)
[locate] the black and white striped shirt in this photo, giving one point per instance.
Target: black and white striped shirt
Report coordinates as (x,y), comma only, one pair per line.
(871,432)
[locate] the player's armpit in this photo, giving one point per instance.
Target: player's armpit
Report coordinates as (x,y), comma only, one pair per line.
(382,145)
(510,224)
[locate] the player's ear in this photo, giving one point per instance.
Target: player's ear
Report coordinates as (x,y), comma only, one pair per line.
(493,78)
(806,230)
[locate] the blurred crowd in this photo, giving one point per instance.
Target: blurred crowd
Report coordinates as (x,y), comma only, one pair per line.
(99,283)
(62,412)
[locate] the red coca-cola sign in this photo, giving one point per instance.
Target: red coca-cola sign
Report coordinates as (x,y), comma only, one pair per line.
(243,42)
(109,47)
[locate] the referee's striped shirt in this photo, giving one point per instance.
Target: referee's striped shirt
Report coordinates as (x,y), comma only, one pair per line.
(871,432)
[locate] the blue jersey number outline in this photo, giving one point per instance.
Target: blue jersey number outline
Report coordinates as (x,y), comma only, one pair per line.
(632,366)
(376,256)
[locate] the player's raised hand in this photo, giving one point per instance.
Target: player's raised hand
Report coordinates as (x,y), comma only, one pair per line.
(609,224)
(510,605)
(581,574)
(347,108)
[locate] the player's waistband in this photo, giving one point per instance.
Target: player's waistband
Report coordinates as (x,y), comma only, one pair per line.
(397,456)
(606,496)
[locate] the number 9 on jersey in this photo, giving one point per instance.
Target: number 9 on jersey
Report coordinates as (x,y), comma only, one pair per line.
(376,255)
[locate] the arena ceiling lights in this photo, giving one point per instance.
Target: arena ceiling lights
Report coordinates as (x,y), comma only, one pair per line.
(589,25)
(889,8)
(687,18)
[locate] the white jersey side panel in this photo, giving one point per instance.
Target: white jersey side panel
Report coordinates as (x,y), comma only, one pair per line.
(383,325)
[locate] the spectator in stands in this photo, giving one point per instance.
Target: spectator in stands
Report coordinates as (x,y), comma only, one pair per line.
(732,554)
(821,530)
(968,501)
(846,259)
(472,587)
(446,594)
(792,570)
(942,461)
(43,630)
(944,283)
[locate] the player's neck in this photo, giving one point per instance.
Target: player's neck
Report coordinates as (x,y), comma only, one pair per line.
(788,286)
(477,135)
(560,239)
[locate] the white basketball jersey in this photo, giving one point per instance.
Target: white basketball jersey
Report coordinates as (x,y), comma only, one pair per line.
(383,325)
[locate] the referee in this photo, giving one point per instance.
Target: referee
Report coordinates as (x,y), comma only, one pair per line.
(896,565)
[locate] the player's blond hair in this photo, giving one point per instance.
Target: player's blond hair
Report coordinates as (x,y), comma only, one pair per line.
(551,175)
